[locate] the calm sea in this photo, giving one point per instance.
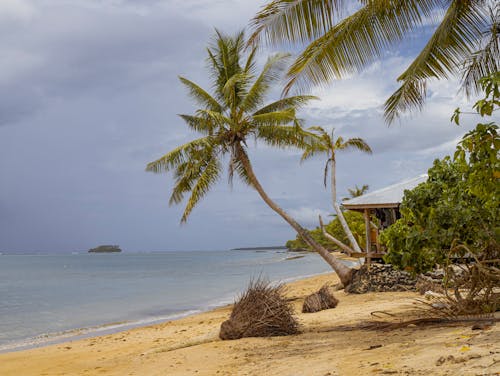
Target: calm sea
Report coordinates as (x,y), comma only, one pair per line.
(45,298)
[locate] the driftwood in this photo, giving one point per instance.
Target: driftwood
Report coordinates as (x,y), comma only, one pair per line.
(261,311)
(323,299)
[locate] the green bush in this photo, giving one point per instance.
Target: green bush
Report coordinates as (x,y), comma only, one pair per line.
(457,210)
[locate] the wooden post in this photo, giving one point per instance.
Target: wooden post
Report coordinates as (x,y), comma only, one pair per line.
(368,237)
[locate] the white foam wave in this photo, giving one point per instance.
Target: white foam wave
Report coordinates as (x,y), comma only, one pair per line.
(73,334)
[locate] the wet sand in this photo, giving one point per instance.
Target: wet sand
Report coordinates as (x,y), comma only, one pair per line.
(190,346)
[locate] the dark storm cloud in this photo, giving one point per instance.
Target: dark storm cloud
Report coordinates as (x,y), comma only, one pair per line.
(70,51)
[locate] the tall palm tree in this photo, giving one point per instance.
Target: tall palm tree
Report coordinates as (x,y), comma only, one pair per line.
(465,42)
(327,144)
(227,119)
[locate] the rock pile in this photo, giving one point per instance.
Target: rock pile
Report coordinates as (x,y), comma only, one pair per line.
(381,277)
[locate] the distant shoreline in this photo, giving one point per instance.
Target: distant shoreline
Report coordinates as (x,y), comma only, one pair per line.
(258,248)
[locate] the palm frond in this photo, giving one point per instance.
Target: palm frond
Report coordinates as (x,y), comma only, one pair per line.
(357,41)
(200,95)
(241,159)
(218,118)
(283,136)
(275,118)
(235,88)
(271,72)
(409,96)
(356,191)
(250,63)
(311,151)
(295,20)
(208,176)
(449,46)
(322,133)
(185,175)
(485,60)
(357,143)
(201,124)
(297,102)
(224,59)
(319,142)
(179,155)
(325,173)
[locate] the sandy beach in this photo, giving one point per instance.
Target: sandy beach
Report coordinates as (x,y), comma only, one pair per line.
(190,346)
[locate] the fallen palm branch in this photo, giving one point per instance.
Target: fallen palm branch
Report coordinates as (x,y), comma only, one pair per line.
(261,311)
(419,322)
(319,301)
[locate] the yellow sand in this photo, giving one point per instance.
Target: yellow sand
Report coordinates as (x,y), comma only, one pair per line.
(190,346)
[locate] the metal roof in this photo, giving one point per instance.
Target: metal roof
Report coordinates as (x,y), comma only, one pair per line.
(388,197)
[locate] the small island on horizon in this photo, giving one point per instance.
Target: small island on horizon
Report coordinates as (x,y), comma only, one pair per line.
(105,249)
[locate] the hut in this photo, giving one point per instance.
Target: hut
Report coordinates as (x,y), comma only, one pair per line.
(382,204)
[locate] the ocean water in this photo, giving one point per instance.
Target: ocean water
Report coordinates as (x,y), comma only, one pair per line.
(45,298)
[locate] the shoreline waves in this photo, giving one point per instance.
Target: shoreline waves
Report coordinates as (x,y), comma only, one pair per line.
(51,298)
(324,346)
(69,335)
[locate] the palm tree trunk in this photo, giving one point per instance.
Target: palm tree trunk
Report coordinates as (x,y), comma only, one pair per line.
(348,250)
(344,272)
(336,206)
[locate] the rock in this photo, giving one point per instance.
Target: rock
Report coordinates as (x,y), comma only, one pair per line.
(379,278)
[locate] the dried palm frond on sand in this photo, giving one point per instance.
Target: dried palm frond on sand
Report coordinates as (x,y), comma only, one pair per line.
(261,311)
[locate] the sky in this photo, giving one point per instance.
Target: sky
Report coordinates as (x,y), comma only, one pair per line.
(89,95)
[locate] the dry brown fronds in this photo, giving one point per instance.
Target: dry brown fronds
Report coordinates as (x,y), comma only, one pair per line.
(323,299)
(261,311)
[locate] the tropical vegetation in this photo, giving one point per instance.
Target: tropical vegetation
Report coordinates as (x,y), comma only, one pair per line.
(457,211)
(465,41)
(227,120)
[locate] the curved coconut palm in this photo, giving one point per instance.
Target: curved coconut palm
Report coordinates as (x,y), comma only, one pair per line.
(326,143)
(466,41)
(234,114)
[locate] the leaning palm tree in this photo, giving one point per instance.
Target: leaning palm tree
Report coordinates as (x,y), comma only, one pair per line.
(327,144)
(465,42)
(227,119)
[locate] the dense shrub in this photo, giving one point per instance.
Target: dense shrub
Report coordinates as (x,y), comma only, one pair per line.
(456,212)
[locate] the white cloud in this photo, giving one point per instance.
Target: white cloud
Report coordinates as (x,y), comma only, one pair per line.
(367,91)
(308,216)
